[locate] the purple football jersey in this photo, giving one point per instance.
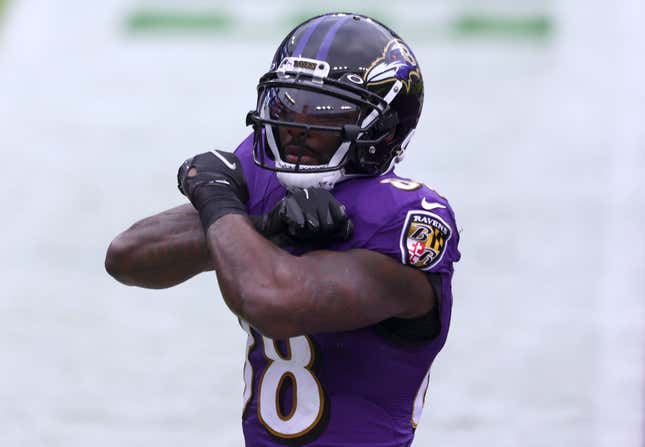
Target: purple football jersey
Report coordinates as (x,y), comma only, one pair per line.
(353,388)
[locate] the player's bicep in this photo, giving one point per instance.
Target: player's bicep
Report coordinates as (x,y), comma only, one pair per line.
(392,281)
(363,287)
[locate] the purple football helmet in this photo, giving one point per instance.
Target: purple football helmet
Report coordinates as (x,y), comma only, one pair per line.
(349,78)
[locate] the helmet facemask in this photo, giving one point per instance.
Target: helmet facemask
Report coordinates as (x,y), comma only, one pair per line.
(312,128)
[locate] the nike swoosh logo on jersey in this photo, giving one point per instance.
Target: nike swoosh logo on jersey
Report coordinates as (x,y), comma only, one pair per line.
(228,164)
(430,206)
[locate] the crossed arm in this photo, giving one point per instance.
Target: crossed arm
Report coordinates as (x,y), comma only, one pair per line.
(160,251)
(280,294)
(323,291)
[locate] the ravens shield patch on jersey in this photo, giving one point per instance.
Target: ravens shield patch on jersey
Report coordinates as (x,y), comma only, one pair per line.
(423,239)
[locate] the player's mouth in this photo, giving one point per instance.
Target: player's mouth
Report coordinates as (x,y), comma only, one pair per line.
(297,154)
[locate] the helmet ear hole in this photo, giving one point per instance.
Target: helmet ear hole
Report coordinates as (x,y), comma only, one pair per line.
(350,132)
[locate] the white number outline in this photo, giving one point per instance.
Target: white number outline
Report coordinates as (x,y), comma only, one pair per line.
(247,395)
(308,367)
(420,400)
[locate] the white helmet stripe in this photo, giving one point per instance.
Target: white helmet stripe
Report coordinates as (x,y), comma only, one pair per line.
(268,130)
(339,154)
(396,88)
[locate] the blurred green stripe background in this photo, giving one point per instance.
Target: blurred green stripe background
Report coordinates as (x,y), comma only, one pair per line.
(488,25)
(213,21)
(3,6)
(142,21)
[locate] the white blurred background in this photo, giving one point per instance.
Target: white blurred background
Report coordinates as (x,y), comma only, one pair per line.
(533,127)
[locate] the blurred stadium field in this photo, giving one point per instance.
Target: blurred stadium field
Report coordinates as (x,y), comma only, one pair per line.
(532,127)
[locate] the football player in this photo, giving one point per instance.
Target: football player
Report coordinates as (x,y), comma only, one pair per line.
(342,325)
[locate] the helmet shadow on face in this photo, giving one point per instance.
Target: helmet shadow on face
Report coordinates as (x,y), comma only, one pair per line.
(317,147)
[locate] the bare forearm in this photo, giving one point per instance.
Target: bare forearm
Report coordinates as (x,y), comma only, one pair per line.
(284,295)
(160,251)
(246,261)
(257,279)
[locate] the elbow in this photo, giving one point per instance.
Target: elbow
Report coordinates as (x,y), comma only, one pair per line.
(117,260)
(270,309)
(275,329)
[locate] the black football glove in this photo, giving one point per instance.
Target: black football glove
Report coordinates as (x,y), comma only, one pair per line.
(217,188)
(310,215)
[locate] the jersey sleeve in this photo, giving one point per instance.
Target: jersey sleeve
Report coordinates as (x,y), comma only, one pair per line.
(245,153)
(264,189)
(420,231)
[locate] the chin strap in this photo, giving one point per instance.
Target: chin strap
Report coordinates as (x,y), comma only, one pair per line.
(324,180)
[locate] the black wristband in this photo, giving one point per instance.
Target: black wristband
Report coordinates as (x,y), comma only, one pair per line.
(214,202)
